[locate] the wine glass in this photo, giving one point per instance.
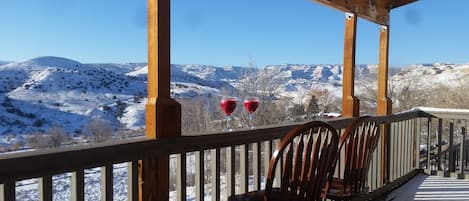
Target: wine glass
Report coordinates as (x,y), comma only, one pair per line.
(250,104)
(228,105)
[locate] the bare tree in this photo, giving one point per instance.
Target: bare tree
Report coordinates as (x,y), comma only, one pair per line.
(38,141)
(410,95)
(271,110)
(312,107)
(452,97)
(326,101)
(200,114)
(368,97)
(99,130)
(57,136)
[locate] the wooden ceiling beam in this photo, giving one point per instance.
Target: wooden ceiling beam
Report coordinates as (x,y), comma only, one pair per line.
(399,3)
(376,11)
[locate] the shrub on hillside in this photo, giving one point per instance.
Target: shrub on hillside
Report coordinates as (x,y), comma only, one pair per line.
(99,130)
(38,141)
(57,136)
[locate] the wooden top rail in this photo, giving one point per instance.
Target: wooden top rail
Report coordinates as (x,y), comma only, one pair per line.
(217,140)
(446,113)
(401,116)
(31,164)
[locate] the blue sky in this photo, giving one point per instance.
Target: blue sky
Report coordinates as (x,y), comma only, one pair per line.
(222,32)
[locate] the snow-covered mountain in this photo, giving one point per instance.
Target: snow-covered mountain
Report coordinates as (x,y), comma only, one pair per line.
(47,91)
(429,75)
(4,62)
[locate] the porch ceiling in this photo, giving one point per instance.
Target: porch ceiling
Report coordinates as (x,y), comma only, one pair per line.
(374,10)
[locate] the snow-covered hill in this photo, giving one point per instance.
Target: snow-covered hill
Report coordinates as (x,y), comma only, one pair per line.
(47,91)
(4,62)
(429,75)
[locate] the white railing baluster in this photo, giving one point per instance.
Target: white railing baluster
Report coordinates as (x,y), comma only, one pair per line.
(77,186)
(399,149)
(132,180)
(405,143)
(256,165)
(230,171)
(215,173)
(107,183)
(267,156)
(278,169)
(199,175)
(2,193)
(418,135)
(244,168)
(181,176)
(45,188)
(8,191)
(376,160)
(392,152)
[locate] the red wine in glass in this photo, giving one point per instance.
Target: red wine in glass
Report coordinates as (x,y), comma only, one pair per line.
(228,105)
(251,104)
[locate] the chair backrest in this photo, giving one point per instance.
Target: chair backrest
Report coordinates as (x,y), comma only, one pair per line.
(307,153)
(358,144)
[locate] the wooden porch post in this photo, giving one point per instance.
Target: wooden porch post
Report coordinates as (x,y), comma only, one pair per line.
(163,114)
(350,103)
(384,103)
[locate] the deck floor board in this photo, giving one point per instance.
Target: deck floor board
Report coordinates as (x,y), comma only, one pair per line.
(425,187)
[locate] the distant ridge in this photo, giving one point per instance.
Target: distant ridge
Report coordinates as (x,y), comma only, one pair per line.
(46,91)
(51,61)
(4,62)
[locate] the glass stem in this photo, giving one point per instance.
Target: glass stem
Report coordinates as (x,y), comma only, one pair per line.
(250,119)
(228,124)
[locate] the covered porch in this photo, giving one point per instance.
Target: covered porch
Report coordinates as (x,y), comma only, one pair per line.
(214,166)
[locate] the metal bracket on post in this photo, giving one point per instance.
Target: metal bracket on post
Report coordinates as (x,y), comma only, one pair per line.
(383,28)
(349,16)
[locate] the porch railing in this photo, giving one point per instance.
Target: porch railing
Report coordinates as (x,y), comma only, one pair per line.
(215,165)
(445,149)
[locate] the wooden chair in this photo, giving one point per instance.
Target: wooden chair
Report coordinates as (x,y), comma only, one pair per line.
(307,154)
(357,144)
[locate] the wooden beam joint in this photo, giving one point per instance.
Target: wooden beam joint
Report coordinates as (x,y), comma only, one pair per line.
(376,11)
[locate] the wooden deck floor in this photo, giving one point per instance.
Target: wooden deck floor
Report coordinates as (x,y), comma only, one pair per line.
(424,187)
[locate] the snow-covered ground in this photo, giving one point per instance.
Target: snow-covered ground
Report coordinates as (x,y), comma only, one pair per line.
(28,189)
